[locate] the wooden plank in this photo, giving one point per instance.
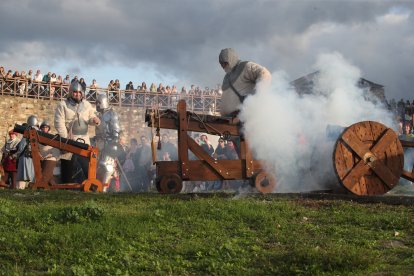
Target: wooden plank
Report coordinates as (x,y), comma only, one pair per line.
(199,170)
(407,144)
(202,155)
(66,186)
(353,178)
(248,157)
(34,143)
(384,142)
(343,159)
(182,139)
(212,128)
(354,142)
(66,147)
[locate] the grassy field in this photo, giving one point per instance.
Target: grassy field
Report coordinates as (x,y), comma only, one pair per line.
(73,233)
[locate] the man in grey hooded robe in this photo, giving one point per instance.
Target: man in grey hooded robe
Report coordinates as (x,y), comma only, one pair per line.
(241,80)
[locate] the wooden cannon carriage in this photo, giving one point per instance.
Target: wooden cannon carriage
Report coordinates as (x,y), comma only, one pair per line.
(37,137)
(171,174)
(369,158)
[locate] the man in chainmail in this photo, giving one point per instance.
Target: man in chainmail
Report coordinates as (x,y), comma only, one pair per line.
(240,81)
(72,118)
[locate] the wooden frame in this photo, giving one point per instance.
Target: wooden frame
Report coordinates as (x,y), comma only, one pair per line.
(170,174)
(37,137)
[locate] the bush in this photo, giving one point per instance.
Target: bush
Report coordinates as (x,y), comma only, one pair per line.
(89,211)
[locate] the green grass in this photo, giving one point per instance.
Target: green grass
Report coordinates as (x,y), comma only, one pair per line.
(73,233)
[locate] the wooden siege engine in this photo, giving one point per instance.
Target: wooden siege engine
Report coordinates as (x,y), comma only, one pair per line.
(37,137)
(171,174)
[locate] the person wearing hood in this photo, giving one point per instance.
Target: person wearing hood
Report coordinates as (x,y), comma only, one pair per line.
(72,118)
(241,80)
(49,157)
(25,168)
(9,159)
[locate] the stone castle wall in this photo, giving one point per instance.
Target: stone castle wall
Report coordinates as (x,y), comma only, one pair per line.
(16,110)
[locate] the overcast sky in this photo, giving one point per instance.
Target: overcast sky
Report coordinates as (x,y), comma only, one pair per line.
(178,41)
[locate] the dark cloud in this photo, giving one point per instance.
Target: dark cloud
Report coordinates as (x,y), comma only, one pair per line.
(182,38)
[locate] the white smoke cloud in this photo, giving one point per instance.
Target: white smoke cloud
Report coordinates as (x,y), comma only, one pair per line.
(290,132)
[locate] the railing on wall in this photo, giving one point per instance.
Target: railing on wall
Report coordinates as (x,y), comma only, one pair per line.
(123,98)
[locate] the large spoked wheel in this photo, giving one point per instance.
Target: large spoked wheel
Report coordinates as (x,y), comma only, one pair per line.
(264,182)
(92,185)
(368,158)
(170,184)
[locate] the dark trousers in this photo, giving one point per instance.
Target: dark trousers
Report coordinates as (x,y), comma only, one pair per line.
(68,172)
(10,178)
(47,171)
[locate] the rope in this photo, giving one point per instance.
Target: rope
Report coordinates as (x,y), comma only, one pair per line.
(206,126)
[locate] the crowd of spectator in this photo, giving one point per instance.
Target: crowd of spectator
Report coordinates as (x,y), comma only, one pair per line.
(54,86)
(140,172)
(404,111)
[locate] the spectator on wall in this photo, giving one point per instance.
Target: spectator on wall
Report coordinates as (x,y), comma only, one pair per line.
(93,90)
(29,77)
(38,76)
(58,87)
(66,80)
(117,85)
(129,88)
(153,88)
(83,83)
(161,88)
(52,83)
(2,72)
(144,87)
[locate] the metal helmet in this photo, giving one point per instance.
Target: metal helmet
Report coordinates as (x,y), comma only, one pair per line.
(76,86)
(32,121)
(45,123)
(102,102)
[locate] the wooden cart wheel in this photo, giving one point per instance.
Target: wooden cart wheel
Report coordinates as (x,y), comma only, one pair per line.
(92,185)
(170,184)
(264,182)
(368,158)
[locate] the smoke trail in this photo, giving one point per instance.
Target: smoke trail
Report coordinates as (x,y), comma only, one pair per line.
(290,132)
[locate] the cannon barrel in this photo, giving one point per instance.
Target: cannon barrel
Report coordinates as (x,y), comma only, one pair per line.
(20,129)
